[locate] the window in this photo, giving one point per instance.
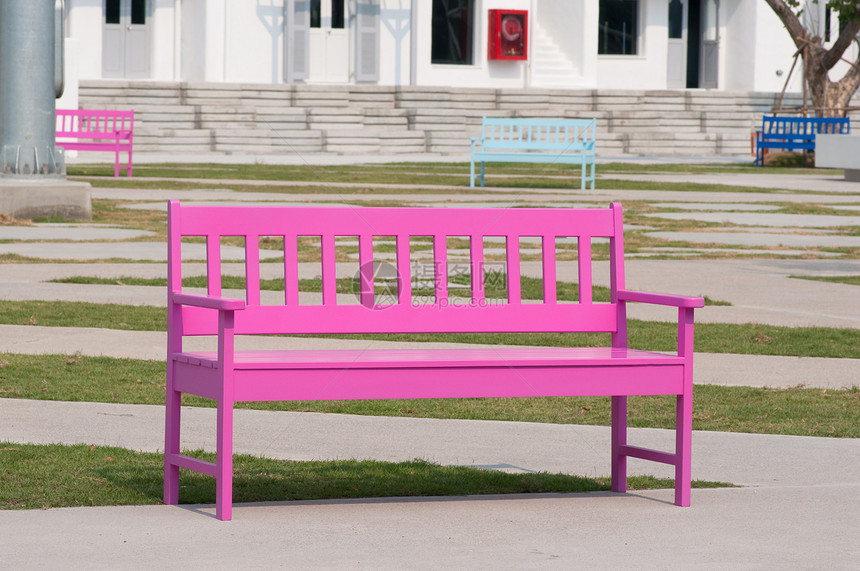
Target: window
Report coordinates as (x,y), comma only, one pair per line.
(452,27)
(111,11)
(619,27)
(676,20)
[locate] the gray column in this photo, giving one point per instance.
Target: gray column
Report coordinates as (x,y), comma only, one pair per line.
(27,103)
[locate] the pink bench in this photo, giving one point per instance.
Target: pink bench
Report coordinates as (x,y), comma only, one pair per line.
(228,375)
(97,131)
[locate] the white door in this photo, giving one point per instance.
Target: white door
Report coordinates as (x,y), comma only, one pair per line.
(710,44)
(126,39)
(329,42)
(676,66)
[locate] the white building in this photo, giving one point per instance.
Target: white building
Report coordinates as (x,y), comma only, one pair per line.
(736,45)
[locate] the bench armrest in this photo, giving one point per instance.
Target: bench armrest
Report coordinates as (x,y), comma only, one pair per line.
(660,298)
(212,302)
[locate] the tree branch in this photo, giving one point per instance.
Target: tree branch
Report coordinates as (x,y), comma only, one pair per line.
(789,20)
(834,54)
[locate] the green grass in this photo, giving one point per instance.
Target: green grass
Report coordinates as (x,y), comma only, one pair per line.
(54,475)
(415,178)
(745,339)
(848,280)
(798,411)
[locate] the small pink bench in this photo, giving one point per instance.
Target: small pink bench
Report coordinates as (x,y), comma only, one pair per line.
(228,375)
(97,131)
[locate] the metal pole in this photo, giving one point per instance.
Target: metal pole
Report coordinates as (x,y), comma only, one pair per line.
(27,90)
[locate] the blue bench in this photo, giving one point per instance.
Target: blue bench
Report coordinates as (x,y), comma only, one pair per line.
(563,141)
(795,133)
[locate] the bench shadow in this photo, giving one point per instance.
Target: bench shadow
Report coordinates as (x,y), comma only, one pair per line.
(208,510)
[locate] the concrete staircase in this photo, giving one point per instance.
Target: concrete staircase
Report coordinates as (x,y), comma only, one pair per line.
(550,67)
(383,120)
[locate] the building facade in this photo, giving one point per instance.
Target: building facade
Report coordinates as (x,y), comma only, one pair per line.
(732,45)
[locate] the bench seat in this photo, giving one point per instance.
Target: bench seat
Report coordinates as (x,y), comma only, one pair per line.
(436,373)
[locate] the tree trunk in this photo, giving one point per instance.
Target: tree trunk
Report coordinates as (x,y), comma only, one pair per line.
(829,98)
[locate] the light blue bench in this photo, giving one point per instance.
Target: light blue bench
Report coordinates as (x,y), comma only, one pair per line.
(563,141)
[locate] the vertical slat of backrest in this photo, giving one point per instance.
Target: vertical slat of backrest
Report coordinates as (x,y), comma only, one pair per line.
(291,269)
(252,269)
(440,268)
(476,260)
(174,276)
(365,269)
(213,264)
(174,244)
(616,274)
(512,259)
(329,270)
(549,272)
(584,261)
(404,270)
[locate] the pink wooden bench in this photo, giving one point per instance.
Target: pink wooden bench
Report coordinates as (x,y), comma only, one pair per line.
(228,375)
(97,131)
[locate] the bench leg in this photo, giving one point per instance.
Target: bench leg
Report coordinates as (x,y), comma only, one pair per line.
(683,450)
(482,173)
(619,440)
(224,462)
(171,443)
(582,177)
(472,174)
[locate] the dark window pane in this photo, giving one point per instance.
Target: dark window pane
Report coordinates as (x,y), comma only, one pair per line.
(618,33)
(452,25)
(111,11)
(676,19)
(316,13)
(337,14)
(138,12)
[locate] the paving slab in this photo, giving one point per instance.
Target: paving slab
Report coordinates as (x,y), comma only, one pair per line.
(717,206)
(745,238)
(75,232)
(147,251)
(761,528)
(762,219)
(805,182)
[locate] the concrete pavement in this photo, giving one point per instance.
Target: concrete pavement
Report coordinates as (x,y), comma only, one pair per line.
(799,507)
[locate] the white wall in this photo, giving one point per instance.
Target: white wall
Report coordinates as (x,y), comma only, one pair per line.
(85,25)
(647,69)
(395,42)
(254,41)
(161,34)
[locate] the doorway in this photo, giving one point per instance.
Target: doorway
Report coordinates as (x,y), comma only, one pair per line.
(126,39)
(329,42)
(693,45)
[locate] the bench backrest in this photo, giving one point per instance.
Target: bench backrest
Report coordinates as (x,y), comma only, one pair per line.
(285,226)
(538,134)
(86,123)
(804,127)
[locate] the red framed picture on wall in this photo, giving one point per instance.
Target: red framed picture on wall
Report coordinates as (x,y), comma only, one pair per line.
(508,34)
